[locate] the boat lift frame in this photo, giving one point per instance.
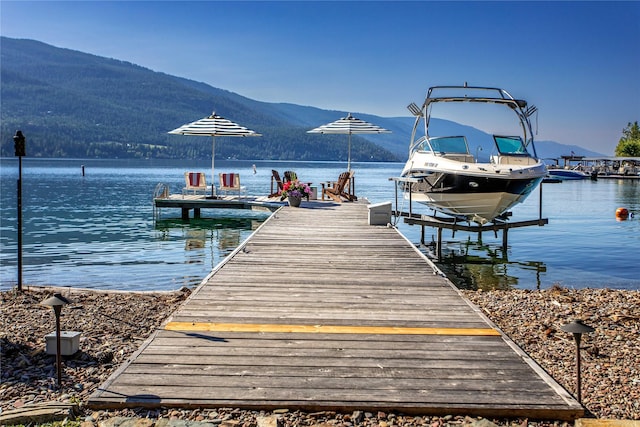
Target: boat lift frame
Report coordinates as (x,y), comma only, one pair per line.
(455,224)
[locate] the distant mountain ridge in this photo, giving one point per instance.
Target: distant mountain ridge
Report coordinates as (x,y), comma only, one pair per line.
(74,104)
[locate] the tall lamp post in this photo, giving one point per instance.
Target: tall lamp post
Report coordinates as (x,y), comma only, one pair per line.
(57,301)
(19,145)
(577,328)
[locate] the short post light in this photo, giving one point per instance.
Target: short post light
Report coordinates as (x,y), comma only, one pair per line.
(19,144)
(577,328)
(57,301)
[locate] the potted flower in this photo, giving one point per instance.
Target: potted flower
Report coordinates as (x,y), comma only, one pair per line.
(294,191)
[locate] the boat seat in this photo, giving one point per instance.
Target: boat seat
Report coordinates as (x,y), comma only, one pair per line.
(459,157)
(515,160)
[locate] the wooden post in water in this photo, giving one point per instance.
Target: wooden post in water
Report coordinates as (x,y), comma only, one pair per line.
(505,232)
(540,204)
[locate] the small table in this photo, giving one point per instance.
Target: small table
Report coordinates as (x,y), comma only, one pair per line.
(313,195)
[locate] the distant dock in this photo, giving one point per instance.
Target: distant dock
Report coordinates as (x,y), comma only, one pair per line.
(318,310)
(615,167)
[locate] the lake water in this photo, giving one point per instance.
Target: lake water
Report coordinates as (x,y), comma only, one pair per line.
(98,231)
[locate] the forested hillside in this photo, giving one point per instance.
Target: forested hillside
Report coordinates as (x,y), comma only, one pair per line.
(72,104)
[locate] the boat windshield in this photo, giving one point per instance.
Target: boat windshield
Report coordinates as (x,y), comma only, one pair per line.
(510,145)
(449,144)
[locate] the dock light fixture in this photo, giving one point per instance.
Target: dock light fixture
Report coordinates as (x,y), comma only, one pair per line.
(19,144)
(57,301)
(577,328)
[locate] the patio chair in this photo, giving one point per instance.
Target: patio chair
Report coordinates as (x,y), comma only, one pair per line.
(194,181)
(350,188)
(336,190)
(231,182)
(275,178)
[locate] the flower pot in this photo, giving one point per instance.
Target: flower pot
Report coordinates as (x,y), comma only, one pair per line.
(294,201)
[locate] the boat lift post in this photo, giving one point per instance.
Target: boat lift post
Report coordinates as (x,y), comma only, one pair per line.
(411,181)
(441,223)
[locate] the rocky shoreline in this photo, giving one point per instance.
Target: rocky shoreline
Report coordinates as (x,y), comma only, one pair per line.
(115,324)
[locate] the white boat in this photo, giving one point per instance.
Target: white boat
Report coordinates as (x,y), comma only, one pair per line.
(567,174)
(448,178)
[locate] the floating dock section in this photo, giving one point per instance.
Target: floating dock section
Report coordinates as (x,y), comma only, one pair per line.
(318,310)
(195,203)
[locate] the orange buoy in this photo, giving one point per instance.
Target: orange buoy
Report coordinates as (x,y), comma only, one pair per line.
(622,213)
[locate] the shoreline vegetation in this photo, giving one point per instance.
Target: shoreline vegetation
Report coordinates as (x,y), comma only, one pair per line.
(115,324)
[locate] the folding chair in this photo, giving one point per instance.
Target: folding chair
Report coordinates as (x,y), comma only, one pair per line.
(231,182)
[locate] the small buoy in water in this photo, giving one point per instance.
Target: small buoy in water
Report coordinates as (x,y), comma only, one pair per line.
(622,213)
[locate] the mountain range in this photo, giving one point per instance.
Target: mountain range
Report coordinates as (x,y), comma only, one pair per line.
(73,104)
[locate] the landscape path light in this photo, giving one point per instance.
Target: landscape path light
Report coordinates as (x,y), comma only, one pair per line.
(57,301)
(577,328)
(19,142)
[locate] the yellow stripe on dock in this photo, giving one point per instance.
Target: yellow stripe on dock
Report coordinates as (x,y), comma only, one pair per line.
(590,422)
(324,329)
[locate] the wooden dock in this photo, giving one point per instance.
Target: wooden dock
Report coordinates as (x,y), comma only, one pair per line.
(318,310)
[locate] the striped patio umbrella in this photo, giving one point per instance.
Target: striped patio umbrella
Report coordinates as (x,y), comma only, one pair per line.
(213,126)
(349,125)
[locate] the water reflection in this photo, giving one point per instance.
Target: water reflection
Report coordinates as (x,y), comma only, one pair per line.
(220,236)
(228,239)
(476,265)
(627,196)
(195,239)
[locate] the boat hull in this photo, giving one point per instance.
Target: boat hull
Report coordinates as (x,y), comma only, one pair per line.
(481,202)
(477,192)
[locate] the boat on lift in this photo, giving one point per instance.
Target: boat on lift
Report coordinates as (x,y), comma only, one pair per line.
(448,178)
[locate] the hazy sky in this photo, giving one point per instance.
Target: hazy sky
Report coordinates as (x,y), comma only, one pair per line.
(578,62)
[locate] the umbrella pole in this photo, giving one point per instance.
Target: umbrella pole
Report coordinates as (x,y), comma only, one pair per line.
(213,160)
(349,155)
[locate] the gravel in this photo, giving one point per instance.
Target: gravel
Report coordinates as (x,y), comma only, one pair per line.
(610,356)
(115,324)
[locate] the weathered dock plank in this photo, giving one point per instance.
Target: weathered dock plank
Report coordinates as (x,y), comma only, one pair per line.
(320,311)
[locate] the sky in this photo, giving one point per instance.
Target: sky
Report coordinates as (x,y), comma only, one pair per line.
(578,62)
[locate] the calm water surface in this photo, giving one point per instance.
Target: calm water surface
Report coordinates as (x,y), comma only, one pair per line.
(98,231)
